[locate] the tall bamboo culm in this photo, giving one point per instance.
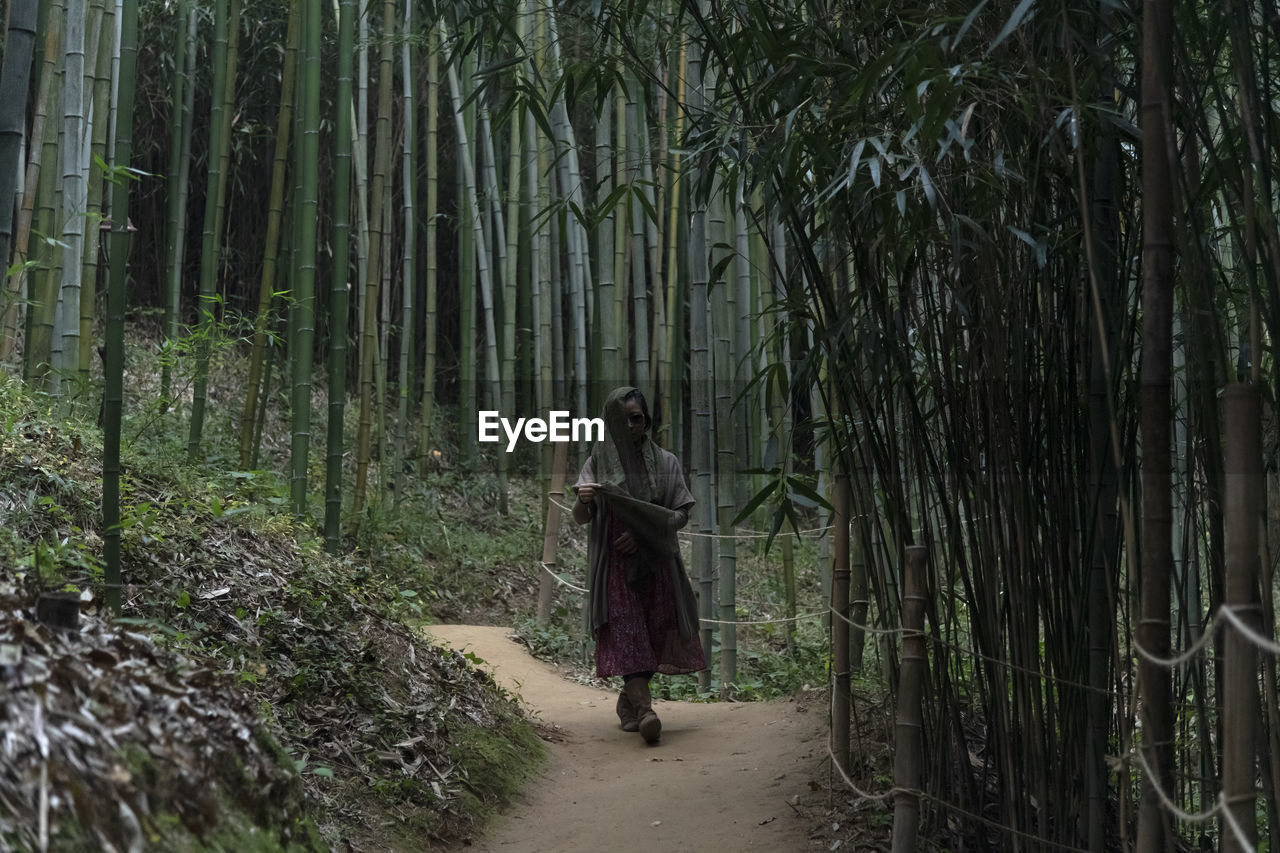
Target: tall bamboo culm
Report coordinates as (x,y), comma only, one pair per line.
(840,698)
(433,191)
(97,73)
(15,75)
(226,16)
(65,345)
(113,393)
(700,385)
(473,211)
(369,330)
(1242,410)
(303,305)
(404,379)
(178,179)
(339,301)
(275,214)
(42,288)
(1156,417)
(908,764)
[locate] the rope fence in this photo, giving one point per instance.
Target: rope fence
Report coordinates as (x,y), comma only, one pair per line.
(1224,611)
(808,533)
(555,577)
(1226,808)
(1221,810)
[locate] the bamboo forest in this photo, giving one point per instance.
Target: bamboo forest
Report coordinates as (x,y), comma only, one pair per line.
(955,328)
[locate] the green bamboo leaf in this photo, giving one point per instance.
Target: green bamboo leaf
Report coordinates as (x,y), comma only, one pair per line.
(855,158)
(490,70)
(717,272)
(608,204)
(968,23)
(779,516)
(643,198)
(1023,236)
(1042,252)
(930,192)
(760,497)
(804,490)
(1015,20)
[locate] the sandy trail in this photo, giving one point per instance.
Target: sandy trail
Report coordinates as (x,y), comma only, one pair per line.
(721,779)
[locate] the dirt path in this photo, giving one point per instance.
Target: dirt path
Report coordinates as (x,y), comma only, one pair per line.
(721,779)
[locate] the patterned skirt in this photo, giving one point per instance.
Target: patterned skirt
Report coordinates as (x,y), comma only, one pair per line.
(641,634)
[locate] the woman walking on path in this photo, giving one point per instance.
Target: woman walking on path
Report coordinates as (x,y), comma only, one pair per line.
(642,611)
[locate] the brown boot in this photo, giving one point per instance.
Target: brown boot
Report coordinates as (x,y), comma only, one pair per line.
(627,713)
(637,690)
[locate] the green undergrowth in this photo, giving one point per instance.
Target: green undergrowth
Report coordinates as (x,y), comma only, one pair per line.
(458,558)
(387,739)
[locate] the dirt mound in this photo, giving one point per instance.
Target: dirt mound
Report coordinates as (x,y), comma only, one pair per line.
(110,738)
(239,634)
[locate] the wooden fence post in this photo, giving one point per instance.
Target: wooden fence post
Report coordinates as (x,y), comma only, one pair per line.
(551,535)
(1242,411)
(840,625)
(908,758)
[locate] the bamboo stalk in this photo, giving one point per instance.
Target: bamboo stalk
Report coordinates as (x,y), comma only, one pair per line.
(373,268)
(409,258)
(31,184)
(339,300)
(840,696)
(179,181)
(908,764)
(676,277)
(503,383)
(644,370)
(98,83)
(433,189)
(551,533)
(15,76)
(42,291)
(275,213)
(226,18)
(307,205)
(65,345)
(477,227)
(700,371)
(1242,411)
(721,329)
(575,232)
(1155,394)
(611,359)
(113,388)
(360,156)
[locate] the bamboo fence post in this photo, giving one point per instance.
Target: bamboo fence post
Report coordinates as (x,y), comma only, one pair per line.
(840,625)
(789,591)
(1242,410)
(909,725)
(858,563)
(551,536)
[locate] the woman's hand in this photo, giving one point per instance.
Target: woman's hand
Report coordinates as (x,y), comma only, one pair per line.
(587,494)
(625,543)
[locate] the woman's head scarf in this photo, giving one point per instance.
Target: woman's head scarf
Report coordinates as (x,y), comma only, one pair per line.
(618,460)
